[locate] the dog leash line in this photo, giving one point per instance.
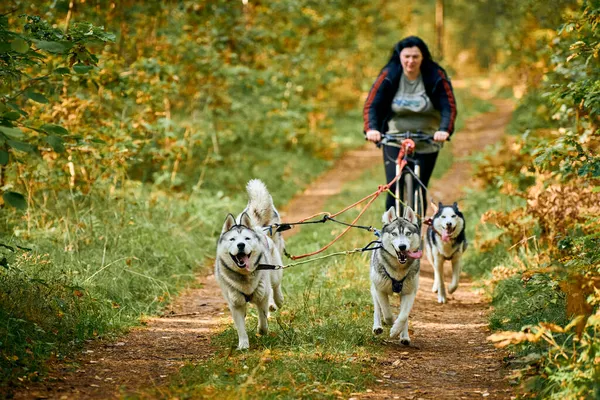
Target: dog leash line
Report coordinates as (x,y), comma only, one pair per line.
(339,253)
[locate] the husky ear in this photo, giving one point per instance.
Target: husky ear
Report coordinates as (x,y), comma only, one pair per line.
(389,216)
(410,215)
(245,220)
(229,223)
(455,206)
(435,207)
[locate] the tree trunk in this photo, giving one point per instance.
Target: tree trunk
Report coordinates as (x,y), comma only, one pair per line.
(439,29)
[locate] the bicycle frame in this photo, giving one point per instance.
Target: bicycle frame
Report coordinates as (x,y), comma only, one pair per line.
(406,148)
(413,195)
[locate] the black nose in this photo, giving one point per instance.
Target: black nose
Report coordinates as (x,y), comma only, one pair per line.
(241,246)
(448,224)
(402,247)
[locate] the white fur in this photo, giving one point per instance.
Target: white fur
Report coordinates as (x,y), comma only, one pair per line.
(441,250)
(400,238)
(261,210)
(245,236)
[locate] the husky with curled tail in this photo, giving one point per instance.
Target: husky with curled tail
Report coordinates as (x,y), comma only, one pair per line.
(446,241)
(242,246)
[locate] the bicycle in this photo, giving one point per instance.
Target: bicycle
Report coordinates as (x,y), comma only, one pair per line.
(412,191)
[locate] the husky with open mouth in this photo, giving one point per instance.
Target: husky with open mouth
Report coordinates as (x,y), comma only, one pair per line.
(446,240)
(395,269)
(242,247)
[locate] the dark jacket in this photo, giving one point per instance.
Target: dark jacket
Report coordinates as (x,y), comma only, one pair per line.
(378,107)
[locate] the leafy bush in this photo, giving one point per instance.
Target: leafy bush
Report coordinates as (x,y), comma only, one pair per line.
(545,287)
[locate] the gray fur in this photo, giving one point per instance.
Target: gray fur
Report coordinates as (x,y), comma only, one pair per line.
(242,246)
(395,261)
(446,241)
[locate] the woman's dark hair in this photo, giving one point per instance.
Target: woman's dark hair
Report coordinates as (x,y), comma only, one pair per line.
(410,41)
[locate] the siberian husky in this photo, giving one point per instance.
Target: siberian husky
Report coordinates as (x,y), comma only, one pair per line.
(445,240)
(395,269)
(242,246)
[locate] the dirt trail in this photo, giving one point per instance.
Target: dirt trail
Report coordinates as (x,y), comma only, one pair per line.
(449,357)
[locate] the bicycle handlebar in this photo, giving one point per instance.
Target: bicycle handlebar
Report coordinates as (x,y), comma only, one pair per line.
(397,138)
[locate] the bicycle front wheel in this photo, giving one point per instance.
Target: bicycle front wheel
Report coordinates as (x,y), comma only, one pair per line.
(418,198)
(407,193)
(412,195)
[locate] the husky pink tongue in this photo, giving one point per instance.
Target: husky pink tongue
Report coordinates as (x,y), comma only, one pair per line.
(415,254)
(445,236)
(246,261)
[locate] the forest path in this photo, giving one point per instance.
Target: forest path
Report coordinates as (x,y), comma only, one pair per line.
(448,359)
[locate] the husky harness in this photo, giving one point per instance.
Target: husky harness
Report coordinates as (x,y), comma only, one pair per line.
(248,297)
(397,284)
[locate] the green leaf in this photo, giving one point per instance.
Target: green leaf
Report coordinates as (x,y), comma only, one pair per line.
(3,157)
(62,71)
(81,68)
(17,109)
(21,146)
(56,129)
(38,97)
(19,45)
(17,200)
(14,133)
(52,47)
(56,143)
(11,115)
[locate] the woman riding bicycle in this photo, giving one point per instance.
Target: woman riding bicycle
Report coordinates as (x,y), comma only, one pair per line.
(412,93)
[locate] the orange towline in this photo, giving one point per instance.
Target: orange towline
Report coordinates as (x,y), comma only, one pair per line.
(407,147)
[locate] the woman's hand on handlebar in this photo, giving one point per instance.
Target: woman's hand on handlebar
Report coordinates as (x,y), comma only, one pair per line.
(441,136)
(373,136)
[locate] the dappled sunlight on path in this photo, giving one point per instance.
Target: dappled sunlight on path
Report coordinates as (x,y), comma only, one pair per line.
(449,357)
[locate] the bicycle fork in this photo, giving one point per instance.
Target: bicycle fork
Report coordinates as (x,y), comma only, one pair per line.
(411,192)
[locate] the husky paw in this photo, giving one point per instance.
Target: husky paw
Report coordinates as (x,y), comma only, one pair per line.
(377,330)
(263,330)
(395,332)
(243,345)
(441,299)
(405,341)
(278,299)
(452,288)
(272,307)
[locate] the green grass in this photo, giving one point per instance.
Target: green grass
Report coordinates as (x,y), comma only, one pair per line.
(98,262)
(516,302)
(320,344)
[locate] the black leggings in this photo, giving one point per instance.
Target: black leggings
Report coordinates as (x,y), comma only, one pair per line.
(426,161)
